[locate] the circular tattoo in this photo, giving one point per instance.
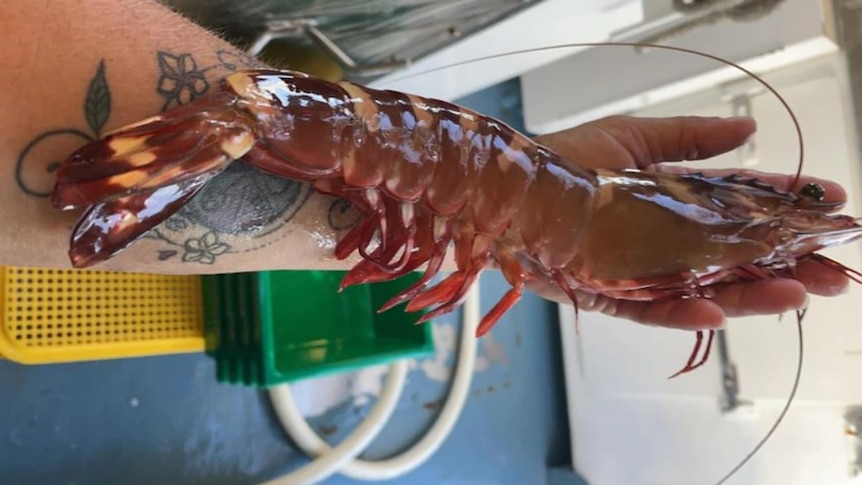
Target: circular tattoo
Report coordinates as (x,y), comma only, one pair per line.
(343,215)
(34,170)
(240,206)
(242,200)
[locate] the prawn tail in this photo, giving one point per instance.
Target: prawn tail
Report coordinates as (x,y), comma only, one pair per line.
(109,227)
(176,146)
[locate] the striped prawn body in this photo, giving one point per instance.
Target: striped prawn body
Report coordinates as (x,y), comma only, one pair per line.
(425,174)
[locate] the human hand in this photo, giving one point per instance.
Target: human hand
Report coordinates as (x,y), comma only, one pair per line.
(621,142)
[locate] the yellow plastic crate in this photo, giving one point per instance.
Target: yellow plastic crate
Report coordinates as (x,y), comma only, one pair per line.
(52,316)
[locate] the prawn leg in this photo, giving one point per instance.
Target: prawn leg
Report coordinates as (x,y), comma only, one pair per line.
(515,276)
(690,365)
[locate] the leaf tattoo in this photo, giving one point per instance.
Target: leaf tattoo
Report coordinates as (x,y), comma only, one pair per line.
(36,164)
(97,107)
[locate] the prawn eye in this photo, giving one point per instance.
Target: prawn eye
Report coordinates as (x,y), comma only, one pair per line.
(814,191)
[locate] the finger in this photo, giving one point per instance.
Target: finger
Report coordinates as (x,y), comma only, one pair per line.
(655,140)
(822,280)
(763,297)
(834,192)
(548,291)
(691,314)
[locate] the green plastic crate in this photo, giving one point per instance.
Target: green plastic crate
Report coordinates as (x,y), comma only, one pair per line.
(272,327)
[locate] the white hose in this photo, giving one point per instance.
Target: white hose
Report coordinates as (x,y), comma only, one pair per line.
(342,459)
(323,467)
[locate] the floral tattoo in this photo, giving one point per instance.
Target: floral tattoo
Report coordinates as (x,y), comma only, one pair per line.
(242,207)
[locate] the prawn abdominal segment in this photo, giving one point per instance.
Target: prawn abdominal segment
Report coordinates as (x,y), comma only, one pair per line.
(426,175)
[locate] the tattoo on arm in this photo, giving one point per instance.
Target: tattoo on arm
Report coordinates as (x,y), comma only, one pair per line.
(242,207)
(342,215)
(241,210)
(181,80)
(34,169)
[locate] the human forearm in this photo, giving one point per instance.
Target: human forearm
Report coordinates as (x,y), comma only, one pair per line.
(77,70)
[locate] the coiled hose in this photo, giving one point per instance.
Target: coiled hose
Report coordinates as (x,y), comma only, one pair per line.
(342,458)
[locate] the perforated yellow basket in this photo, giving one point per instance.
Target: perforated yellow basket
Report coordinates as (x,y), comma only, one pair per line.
(51,316)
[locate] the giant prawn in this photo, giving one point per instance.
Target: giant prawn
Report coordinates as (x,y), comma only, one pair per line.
(426,174)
